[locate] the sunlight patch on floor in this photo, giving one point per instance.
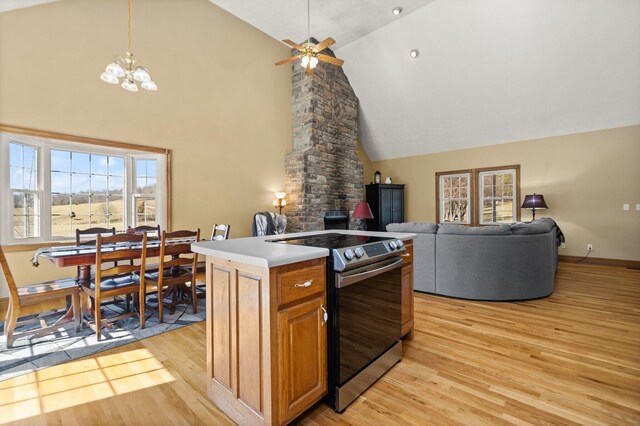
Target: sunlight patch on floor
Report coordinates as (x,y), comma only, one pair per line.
(80,382)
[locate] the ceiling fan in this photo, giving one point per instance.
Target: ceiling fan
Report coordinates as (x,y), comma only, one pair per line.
(310,52)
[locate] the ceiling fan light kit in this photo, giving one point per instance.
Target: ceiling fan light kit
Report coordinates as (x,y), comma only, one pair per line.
(127,68)
(310,52)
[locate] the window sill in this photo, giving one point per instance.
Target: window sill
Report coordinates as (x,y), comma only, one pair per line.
(34,246)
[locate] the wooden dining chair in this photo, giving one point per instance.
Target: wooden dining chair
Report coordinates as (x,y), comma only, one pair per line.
(122,279)
(177,271)
(87,237)
(220,232)
(21,297)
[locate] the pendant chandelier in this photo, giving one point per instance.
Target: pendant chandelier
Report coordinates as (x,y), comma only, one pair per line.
(127,68)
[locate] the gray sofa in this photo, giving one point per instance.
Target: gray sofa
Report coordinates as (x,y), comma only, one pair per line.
(505,262)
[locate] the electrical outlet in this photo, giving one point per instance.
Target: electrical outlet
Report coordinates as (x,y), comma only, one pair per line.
(563,245)
(589,247)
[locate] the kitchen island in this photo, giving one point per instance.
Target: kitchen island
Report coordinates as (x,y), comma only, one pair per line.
(266,324)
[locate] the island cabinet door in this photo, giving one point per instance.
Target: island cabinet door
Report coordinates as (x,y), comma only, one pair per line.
(238,341)
(302,357)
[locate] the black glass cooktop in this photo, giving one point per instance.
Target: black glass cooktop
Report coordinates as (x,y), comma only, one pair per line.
(331,241)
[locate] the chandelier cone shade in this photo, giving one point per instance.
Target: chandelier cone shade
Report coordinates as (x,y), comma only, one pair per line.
(310,52)
(127,68)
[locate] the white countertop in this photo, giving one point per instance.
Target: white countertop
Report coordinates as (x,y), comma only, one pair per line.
(258,252)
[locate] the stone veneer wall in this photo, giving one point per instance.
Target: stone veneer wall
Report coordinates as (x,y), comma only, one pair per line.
(323,172)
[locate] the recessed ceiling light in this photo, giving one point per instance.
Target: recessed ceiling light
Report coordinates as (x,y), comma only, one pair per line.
(396,10)
(414,53)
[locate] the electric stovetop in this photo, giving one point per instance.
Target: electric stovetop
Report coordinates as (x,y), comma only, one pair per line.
(331,241)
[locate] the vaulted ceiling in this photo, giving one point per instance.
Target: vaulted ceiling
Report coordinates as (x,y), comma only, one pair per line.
(6,5)
(344,20)
(496,71)
(489,71)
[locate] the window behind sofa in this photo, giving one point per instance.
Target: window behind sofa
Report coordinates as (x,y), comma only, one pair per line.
(483,196)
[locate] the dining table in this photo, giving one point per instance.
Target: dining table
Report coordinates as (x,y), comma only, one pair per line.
(84,257)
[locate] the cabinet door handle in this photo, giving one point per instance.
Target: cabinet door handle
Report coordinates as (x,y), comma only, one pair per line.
(325,315)
(304,284)
(406,255)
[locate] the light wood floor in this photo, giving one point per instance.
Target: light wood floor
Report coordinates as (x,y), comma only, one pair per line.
(573,358)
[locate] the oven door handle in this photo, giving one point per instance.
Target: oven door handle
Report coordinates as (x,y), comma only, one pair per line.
(345,280)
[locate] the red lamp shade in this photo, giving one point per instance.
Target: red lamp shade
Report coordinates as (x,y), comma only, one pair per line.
(363,211)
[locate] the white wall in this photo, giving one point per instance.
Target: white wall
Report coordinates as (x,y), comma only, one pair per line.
(496,71)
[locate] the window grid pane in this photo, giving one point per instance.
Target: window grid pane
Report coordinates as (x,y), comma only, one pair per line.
(498,197)
(23,186)
(455,199)
(82,195)
(145,198)
(145,211)
(23,167)
(26,216)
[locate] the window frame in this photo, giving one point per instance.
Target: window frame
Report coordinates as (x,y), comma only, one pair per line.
(469,199)
(160,195)
(482,198)
(39,191)
(44,142)
(475,195)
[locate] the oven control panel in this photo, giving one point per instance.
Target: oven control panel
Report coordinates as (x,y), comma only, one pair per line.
(361,255)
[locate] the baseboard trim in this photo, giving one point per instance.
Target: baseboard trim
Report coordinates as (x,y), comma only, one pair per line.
(601,261)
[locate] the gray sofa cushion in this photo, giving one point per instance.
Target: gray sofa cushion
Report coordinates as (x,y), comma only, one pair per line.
(483,263)
(502,229)
(495,267)
(539,226)
(415,227)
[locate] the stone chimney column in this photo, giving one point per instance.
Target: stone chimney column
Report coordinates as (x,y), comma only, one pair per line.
(323,172)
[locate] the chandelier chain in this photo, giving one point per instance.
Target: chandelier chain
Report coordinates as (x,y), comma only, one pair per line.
(127,68)
(308,21)
(129,25)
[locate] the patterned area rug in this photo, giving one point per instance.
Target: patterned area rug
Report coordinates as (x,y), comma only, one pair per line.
(30,354)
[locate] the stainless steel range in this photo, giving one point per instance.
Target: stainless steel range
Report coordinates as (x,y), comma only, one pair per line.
(364,307)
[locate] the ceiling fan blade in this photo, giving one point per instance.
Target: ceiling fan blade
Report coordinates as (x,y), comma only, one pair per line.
(330,59)
(309,69)
(324,44)
(294,45)
(291,59)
